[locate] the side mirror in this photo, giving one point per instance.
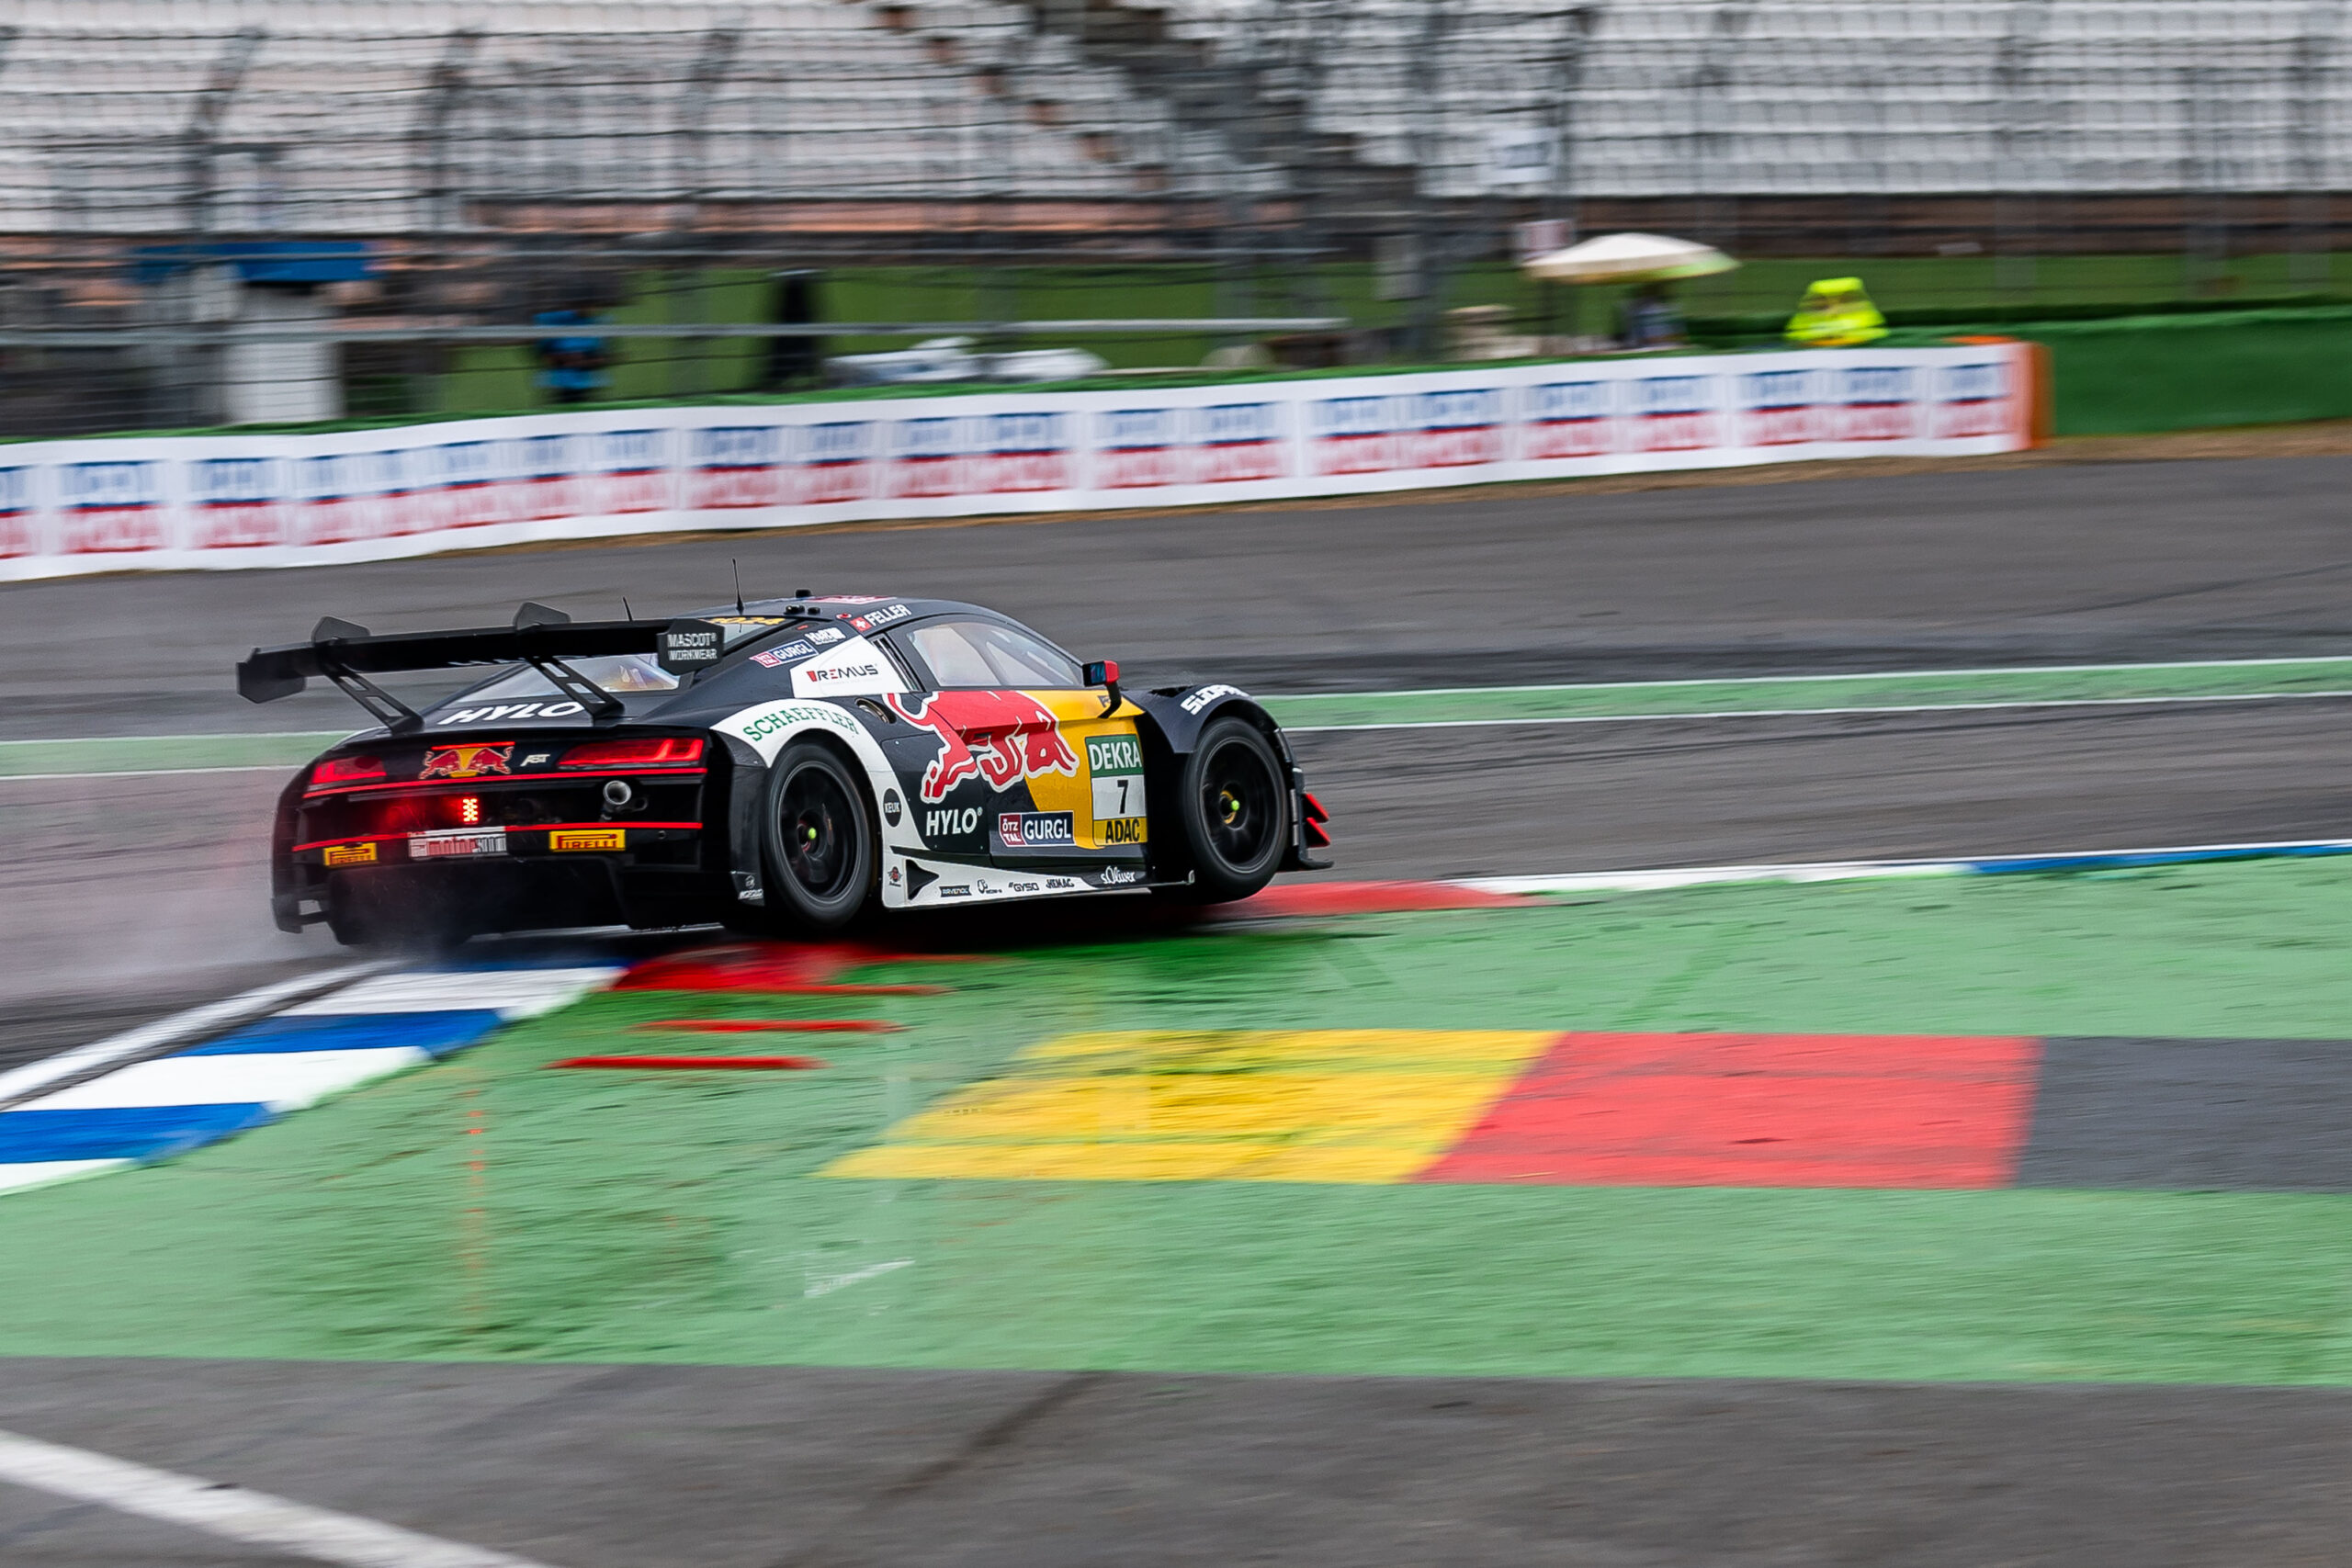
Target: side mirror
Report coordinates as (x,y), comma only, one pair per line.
(1104,672)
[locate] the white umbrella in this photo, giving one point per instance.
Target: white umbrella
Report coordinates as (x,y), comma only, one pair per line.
(1629,259)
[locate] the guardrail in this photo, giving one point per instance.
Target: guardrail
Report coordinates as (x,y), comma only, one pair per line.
(234,501)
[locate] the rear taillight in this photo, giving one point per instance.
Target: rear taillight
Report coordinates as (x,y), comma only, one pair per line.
(347,770)
(670,751)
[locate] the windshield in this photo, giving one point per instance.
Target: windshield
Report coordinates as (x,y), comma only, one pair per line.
(620,674)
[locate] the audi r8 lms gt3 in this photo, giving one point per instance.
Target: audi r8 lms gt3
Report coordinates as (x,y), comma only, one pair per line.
(783,765)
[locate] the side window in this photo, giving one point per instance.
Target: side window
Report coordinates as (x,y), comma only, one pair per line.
(981,653)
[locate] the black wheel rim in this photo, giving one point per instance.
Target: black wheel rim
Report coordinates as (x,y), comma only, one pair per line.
(1239,805)
(819,829)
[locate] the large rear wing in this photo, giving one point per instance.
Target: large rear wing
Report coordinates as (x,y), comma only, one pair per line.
(541,637)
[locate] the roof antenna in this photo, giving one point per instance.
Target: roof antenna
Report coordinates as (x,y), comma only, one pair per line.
(626,614)
(739,583)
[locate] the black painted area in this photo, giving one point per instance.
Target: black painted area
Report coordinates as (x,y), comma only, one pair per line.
(2186,1115)
(765,1467)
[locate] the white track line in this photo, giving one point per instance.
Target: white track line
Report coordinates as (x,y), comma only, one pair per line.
(29,1080)
(1812,713)
(254,1517)
(1856,675)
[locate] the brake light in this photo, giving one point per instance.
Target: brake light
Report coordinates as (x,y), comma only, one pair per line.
(469,810)
(670,751)
(347,770)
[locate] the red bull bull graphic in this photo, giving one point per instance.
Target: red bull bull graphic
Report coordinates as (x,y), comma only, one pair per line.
(999,737)
(1356,435)
(108,507)
(838,461)
(1239,441)
(631,471)
(735,466)
(473,760)
(1570,419)
(1875,402)
(1973,401)
(240,502)
(1138,448)
(1674,414)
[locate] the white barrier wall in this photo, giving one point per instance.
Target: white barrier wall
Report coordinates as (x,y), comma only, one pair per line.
(227,501)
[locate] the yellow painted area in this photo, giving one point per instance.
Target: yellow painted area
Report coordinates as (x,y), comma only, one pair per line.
(1322,1105)
(1078,714)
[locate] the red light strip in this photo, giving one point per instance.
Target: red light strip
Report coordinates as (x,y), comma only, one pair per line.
(435,785)
(488,828)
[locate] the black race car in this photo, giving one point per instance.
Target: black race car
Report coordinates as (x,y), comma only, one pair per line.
(784,765)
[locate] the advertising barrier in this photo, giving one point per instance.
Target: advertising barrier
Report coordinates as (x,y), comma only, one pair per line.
(228,501)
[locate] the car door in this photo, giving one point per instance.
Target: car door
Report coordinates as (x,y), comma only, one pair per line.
(1027,753)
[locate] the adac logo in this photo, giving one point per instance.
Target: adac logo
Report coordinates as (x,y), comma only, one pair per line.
(469,761)
(1002,737)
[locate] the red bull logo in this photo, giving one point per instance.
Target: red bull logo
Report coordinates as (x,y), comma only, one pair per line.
(470,761)
(1002,737)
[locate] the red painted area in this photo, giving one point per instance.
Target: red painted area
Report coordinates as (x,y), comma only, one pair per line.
(1758,1110)
(781,968)
(693,1064)
(768,1026)
(1362,898)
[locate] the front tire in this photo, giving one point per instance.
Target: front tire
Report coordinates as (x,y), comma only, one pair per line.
(1234,808)
(816,843)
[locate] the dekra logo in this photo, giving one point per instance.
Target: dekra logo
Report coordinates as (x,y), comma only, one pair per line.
(1113,754)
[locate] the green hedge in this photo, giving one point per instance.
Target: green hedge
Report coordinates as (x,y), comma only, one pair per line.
(2142,374)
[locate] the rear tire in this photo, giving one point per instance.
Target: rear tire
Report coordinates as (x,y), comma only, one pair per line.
(816,843)
(1233,805)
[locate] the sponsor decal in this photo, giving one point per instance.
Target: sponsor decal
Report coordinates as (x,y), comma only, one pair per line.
(748,620)
(537,758)
(1570,419)
(892,807)
(759,723)
(873,619)
(837,461)
(445,846)
(735,466)
(1199,700)
(1782,407)
(1673,414)
(1063,884)
(1457,428)
(1001,736)
(238,502)
(588,839)
(955,890)
(1876,402)
(1117,876)
(1024,888)
(776,657)
(1356,436)
(467,761)
(112,506)
(855,668)
(1115,770)
(856,598)
(351,854)
(948,823)
(684,646)
(505,711)
(820,636)
(1036,829)
(1239,441)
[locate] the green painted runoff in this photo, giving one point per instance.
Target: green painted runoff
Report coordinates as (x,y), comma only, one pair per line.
(487,1208)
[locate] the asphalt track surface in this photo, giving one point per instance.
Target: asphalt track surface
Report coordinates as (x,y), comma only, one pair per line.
(124,899)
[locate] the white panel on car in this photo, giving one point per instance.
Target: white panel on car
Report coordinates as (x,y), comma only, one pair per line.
(855,668)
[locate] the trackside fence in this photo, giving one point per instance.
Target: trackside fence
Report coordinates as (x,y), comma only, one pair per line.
(231,501)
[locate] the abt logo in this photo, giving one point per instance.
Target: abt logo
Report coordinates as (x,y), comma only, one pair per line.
(949,824)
